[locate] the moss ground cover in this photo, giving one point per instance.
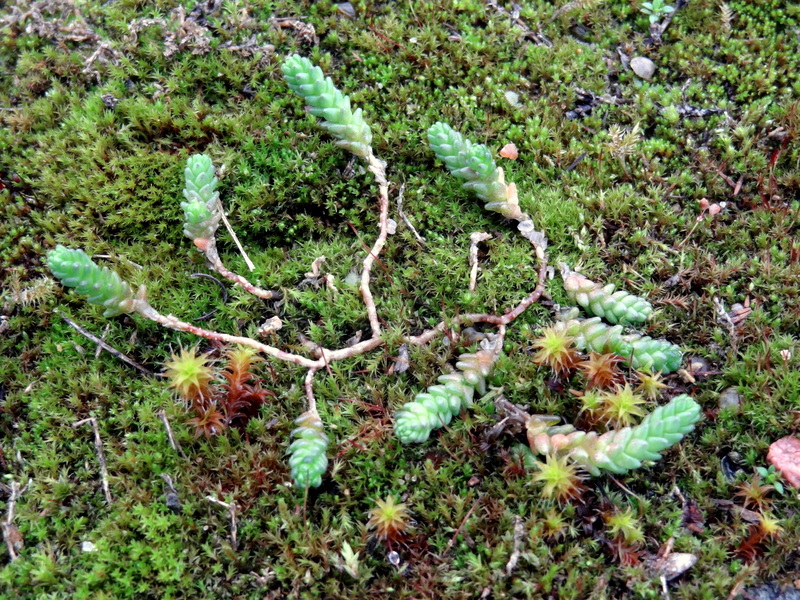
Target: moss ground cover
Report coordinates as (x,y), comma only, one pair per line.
(102,103)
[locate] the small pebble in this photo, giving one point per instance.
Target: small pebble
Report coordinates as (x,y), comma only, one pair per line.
(729,398)
(731,465)
(643,67)
(699,367)
(582,33)
(785,455)
(173,502)
(88,547)
(510,152)
(512,98)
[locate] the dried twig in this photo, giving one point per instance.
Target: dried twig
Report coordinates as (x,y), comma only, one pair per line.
(725,318)
(622,487)
(102,339)
(509,316)
(172,441)
(576,162)
(657,29)
(464,520)
(475,239)
(246,258)
(105,346)
(11,534)
(216,263)
(98,446)
(403,216)
(231,508)
(168,480)
(214,311)
(527,33)
(574,5)
(519,532)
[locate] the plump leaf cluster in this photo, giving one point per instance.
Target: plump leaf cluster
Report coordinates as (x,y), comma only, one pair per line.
(307,452)
(101,285)
(201,214)
(639,351)
(436,406)
(619,450)
(472,163)
(328,103)
(616,307)
(625,449)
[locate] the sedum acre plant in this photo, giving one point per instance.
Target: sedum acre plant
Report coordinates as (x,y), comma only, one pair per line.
(329,104)
(100,285)
(620,450)
(474,165)
(615,451)
(308,460)
(602,301)
(202,213)
(435,407)
(638,351)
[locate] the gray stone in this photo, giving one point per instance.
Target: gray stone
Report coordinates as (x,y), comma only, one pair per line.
(643,67)
(729,398)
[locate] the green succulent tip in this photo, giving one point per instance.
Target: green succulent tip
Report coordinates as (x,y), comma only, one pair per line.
(102,286)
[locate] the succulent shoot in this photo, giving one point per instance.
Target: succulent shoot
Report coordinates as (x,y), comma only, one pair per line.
(329,104)
(436,407)
(620,450)
(638,351)
(473,164)
(201,214)
(602,301)
(308,460)
(101,285)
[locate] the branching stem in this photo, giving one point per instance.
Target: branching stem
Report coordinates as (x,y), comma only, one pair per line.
(101,458)
(309,383)
(378,168)
(216,263)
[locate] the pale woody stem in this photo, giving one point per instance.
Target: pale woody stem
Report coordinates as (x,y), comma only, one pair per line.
(427,336)
(309,383)
(326,356)
(216,263)
(378,168)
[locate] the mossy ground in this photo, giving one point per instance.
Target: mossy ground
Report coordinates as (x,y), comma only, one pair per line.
(92,157)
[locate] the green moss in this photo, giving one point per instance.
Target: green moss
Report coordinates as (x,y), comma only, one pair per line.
(85,169)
